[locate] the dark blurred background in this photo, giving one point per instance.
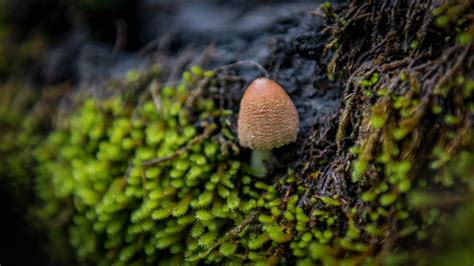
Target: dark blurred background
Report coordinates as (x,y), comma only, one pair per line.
(52,34)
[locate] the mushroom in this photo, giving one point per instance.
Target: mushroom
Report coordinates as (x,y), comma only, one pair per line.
(267,119)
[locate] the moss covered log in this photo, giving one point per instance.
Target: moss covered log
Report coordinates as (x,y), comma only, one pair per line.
(153,174)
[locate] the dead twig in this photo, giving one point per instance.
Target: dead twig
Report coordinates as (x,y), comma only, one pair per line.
(198,139)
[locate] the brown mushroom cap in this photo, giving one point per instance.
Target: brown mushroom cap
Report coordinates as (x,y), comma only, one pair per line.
(268,118)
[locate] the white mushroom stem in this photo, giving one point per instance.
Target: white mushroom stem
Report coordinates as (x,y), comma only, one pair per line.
(259,160)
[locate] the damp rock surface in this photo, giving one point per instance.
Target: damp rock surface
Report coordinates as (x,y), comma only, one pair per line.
(280,36)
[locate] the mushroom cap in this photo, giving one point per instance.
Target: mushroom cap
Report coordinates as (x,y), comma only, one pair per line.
(268,118)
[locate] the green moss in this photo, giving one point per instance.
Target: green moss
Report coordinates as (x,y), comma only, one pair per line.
(122,206)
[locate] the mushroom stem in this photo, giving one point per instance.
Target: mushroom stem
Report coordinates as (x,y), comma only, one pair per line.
(259,160)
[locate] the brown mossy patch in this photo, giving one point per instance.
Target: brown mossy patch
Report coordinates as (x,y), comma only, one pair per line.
(406,118)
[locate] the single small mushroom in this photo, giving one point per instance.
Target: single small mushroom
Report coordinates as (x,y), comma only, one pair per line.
(267,119)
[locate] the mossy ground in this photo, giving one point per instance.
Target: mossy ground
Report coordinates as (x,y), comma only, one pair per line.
(153,174)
